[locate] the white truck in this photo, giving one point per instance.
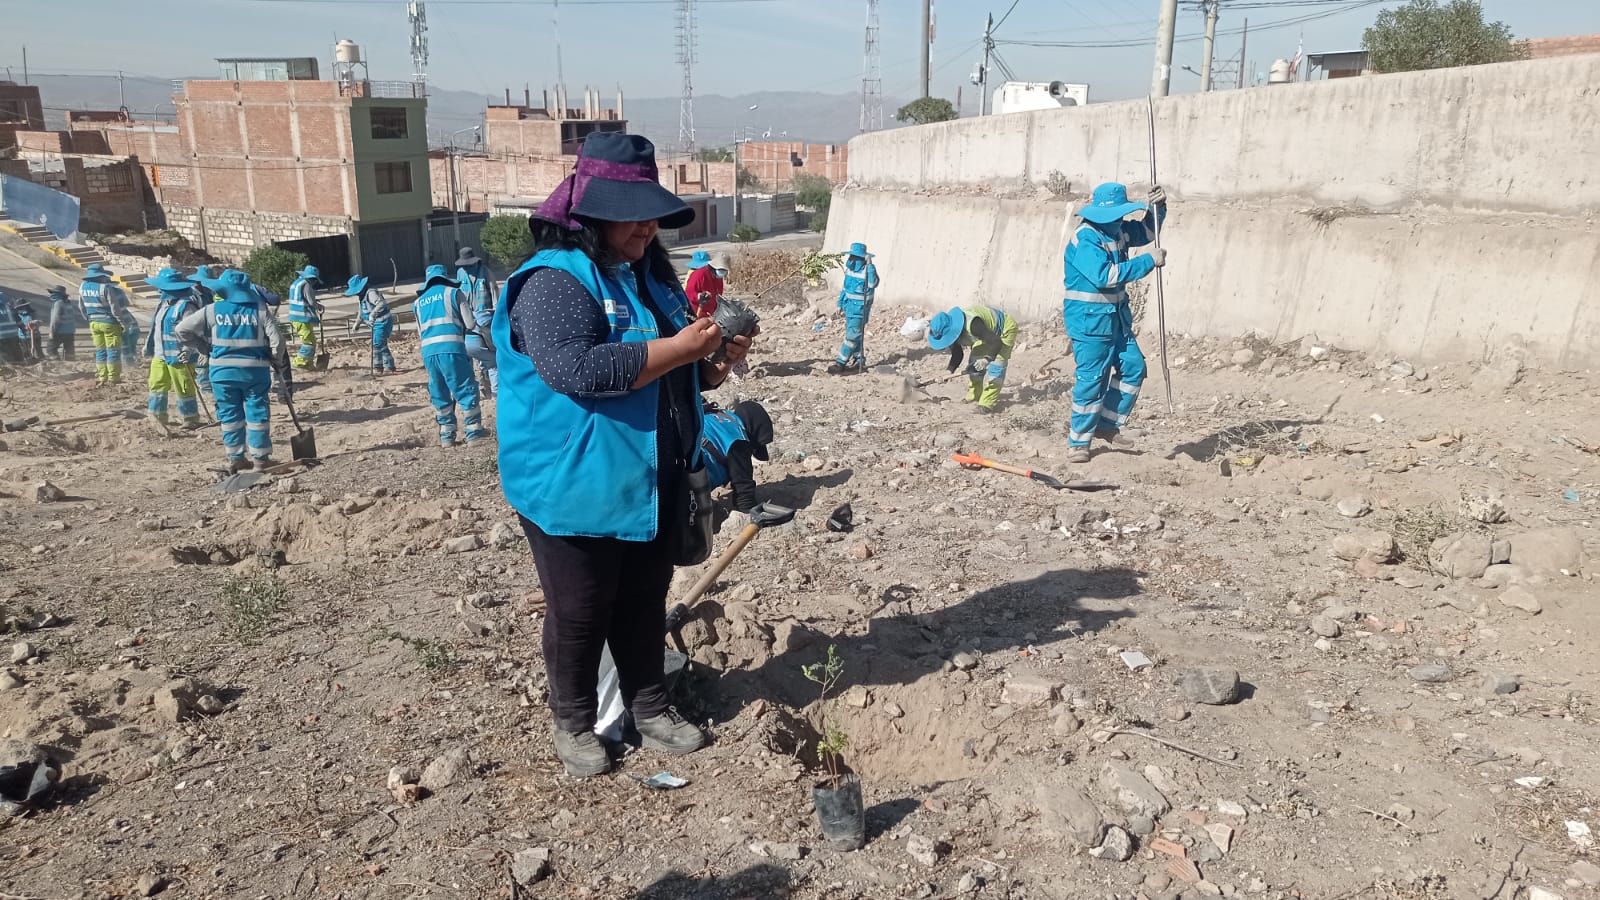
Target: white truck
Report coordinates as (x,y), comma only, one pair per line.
(1023,96)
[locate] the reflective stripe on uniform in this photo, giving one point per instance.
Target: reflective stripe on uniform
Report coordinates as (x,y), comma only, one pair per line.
(1114,296)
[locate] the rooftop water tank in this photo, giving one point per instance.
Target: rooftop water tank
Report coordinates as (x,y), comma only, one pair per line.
(347,51)
(1280,73)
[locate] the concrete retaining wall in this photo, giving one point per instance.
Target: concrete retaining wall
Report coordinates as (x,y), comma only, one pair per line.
(1434,215)
(232,233)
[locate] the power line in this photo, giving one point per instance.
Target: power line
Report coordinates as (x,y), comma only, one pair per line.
(1192,37)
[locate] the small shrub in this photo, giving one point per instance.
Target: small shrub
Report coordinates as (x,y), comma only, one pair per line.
(743,232)
(251,604)
(819,222)
(507,239)
(831,748)
(813,192)
(273,267)
(1057,184)
(433,656)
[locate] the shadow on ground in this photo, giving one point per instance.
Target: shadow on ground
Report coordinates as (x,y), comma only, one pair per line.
(358,416)
(915,640)
(763,881)
(1241,434)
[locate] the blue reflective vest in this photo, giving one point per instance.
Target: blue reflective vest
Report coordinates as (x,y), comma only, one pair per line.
(167,316)
(438,313)
(102,301)
(860,282)
(239,338)
(303,302)
(720,430)
(374,309)
(479,290)
(584,466)
(63,317)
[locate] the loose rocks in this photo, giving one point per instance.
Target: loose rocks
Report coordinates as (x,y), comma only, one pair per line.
(1214,686)
(45,492)
(1323,626)
(465,544)
(1070,814)
(1548,551)
(1117,846)
(1500,684)
(923,849)
(1431,673)
(1460,555)
(1029,690)
(530,866)
(1132,792)
(1366,543)
(1523,599)
(453,767)
(1353,507)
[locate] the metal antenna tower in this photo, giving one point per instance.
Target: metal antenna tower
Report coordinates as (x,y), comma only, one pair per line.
(871,74)
(686,58)
(417,12)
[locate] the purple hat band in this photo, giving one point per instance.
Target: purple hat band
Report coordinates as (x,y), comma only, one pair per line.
(558,207)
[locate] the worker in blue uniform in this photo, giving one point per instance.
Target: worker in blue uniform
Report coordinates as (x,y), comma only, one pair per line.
(305,313)
(478,285)
(240,335)
(105,305)
(205,297)
(372,310)
(1098,269)
(171,363)
(444,316)
(731,438)
(64,321)
(855,299)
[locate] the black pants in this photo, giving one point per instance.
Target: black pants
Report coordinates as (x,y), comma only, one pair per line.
(600,590)
(63,345)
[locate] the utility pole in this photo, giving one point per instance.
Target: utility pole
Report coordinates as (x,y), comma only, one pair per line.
(1211,44)
(1244,40)
(1162,79)
(122,97)
(25,64)
(983,73)
(927,45)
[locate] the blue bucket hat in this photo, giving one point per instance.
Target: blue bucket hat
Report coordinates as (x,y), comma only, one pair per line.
(170,281)
(699,259)
(201,275)
(96,271)
(356,286)
(57,292)
(234,285)
(1109,203)
(438,275)
(615,180)
(860,249)
(310,272)
(945,328)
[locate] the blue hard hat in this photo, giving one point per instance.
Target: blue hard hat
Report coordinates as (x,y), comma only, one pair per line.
(945,328)
(1109,203)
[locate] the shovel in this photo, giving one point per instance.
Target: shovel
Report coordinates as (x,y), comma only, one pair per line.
(323,358)
(973,460)
(303,443)
(675,661)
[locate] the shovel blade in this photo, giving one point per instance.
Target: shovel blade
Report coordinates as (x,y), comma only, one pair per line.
(1047,480)
(303,445)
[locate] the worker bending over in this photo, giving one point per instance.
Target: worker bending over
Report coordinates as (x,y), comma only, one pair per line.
(479,288)
(992,336)
(375,313)
(171,363)
(241,336)
(730,438)
(855,299)
(444,316)
(1110,366)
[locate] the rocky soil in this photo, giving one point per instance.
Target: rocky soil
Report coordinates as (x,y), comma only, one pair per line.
(1330,636)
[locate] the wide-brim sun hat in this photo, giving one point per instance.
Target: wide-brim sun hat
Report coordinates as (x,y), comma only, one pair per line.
(719,262)
(96,270)
(310,272)
(437,275)
(860,249)
(170,281)
(615,180)
(945,328)
(235,285)
(57,293)
(1109,203)
(467,259)
(699,259)
(201,274)
(356,286)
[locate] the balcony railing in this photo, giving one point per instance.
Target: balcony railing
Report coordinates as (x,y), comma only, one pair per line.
(388,89)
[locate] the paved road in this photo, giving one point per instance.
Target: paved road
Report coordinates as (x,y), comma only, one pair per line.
(22,279)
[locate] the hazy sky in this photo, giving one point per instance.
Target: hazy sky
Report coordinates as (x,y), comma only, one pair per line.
(744,45)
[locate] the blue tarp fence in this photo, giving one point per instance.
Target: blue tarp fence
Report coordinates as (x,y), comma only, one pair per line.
(36,204)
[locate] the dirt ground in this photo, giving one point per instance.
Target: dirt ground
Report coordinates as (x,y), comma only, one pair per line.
(1411,721)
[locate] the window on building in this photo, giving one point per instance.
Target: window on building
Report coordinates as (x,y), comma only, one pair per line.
(394,177)
(13,111)
(388,122)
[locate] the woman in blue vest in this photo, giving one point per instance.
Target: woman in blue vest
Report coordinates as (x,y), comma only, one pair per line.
(601,365)
(373,310)
(172,364)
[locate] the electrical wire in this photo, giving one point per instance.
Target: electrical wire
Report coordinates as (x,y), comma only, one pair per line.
(1191,38)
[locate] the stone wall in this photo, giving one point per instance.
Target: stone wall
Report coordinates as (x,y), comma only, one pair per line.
(232,233)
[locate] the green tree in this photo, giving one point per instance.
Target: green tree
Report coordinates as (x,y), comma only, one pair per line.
(928,109)
(748,179)
(714,154)
(507,239)
(1425,34)
(813,192)
(273,267)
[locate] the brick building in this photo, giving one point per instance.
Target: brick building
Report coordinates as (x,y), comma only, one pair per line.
(776,163)
(20,110)
(1566,45)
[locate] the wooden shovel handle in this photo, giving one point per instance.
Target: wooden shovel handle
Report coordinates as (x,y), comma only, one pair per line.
(722,562)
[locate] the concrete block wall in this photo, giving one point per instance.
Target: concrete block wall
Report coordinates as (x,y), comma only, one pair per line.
(1432,215)
(232,233)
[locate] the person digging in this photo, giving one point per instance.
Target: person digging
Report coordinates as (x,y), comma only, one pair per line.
(992,336)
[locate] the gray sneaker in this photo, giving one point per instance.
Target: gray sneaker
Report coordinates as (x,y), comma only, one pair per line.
(581,753)
(1078,455)
(671,733)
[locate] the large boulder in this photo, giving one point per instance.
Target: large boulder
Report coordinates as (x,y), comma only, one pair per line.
(1461,555)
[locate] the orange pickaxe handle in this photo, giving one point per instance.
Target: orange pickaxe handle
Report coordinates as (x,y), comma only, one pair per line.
(973,459)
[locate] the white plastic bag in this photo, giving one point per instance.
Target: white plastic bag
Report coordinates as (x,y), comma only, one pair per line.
(608,724)
(914,328)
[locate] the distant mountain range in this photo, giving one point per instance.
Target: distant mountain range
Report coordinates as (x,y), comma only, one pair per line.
(780,115)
